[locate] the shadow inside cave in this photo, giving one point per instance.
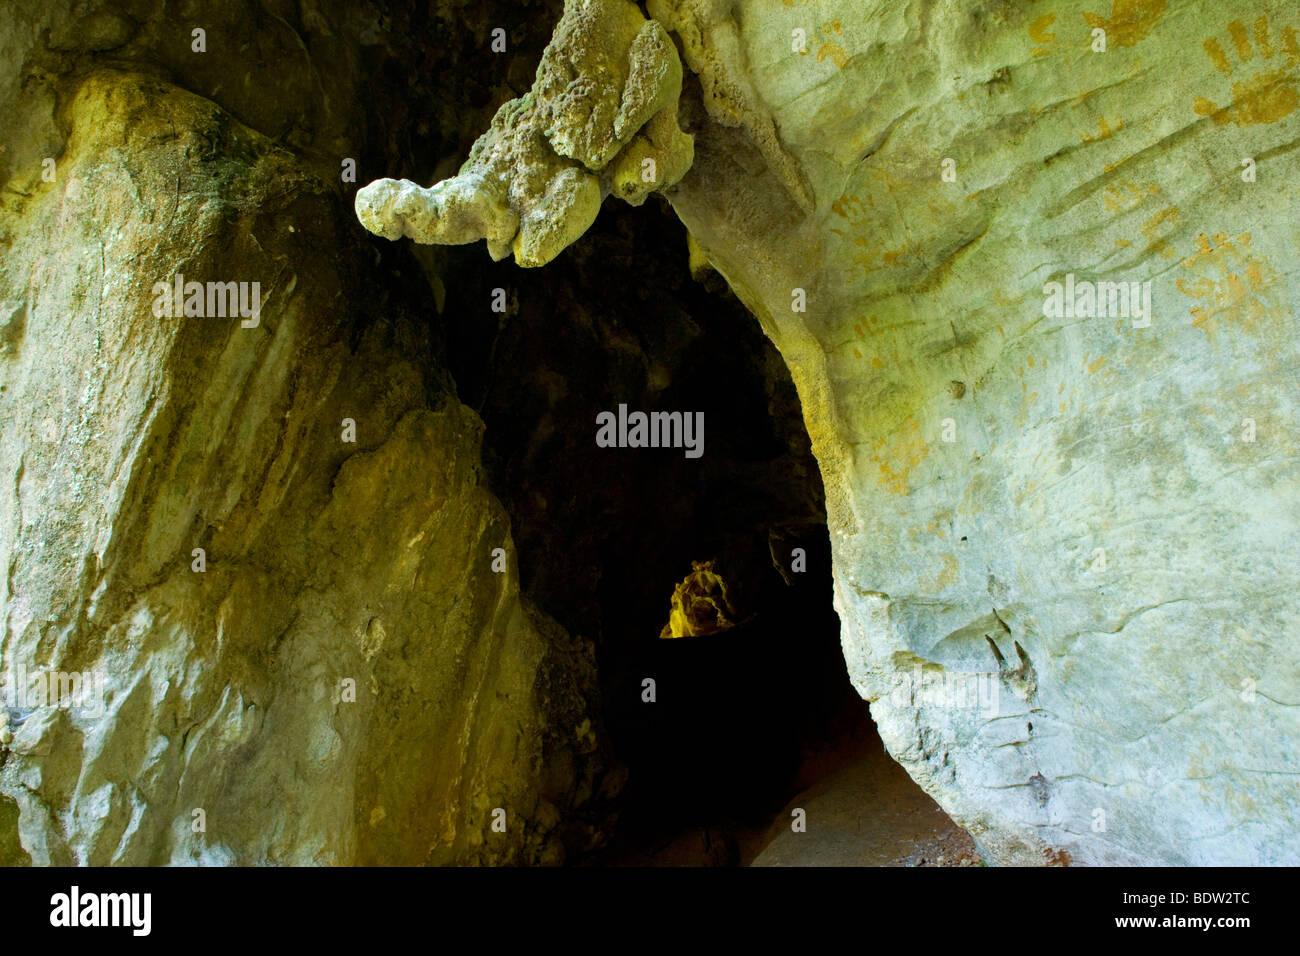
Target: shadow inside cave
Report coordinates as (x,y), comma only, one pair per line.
(743,719)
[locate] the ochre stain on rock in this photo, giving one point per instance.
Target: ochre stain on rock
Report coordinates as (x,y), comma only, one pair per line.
(1129,22)
(897,455)
(944,578)
(1040,32)
(1232,285)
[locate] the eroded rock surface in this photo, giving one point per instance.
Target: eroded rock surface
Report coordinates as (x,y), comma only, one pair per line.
(601,118)
(699,604)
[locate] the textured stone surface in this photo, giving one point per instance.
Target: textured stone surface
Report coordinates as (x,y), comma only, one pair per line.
(699,604)
(137,438)
(327,560)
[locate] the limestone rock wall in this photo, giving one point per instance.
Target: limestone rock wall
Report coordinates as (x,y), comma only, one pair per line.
(133,438)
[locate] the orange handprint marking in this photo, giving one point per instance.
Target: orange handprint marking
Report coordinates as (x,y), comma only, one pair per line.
(830,49)
(896,455)
(1265,97)
(1123,196)
(1104,131)
(851,210)
(1232,285)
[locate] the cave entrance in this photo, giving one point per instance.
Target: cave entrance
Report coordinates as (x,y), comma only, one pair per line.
(714,731)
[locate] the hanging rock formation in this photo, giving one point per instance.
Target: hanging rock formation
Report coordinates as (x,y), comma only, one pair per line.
(601,118)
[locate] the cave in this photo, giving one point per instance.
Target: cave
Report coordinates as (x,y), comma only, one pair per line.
(599,426)
(740,720)
(750,711)
(700,711)
(745,712)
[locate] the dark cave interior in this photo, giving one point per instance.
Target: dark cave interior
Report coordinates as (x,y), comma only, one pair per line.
(745,718)
(742,718)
